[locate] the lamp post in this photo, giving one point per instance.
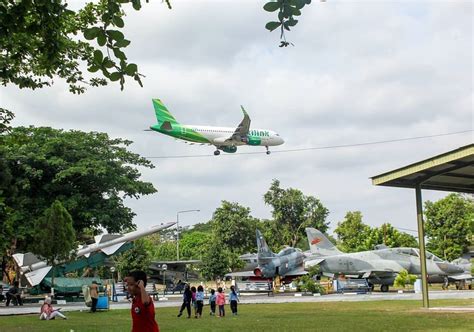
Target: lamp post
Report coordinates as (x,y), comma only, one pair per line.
(177,230)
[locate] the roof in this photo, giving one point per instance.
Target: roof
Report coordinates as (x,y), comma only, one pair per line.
(450,171)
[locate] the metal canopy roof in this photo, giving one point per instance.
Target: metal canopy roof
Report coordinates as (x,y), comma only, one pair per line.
(450,171)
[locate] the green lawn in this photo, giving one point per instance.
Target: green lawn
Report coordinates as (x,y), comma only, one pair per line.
(331,316)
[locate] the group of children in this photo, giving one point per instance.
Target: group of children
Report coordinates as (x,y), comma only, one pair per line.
(195,297)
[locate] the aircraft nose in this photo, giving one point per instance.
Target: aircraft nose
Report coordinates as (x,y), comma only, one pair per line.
(280,141)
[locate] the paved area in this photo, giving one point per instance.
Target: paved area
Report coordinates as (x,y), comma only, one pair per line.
(175,301)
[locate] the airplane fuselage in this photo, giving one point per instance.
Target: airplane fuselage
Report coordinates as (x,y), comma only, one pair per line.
(280,264)
(218,135)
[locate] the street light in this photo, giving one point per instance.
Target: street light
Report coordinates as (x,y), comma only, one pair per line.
(177,230)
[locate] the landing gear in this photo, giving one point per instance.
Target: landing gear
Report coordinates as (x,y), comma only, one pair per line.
(217,152)
(384,288)
(268,151)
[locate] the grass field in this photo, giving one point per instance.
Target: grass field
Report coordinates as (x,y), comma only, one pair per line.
(333,316)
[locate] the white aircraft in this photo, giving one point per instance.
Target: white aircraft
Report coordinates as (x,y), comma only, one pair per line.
(223,138)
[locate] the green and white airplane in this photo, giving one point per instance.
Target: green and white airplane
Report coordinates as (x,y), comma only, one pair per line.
(223,138)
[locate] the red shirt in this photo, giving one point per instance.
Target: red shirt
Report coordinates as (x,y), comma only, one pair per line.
(143,316)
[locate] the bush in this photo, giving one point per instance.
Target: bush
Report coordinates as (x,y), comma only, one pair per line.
(307,284)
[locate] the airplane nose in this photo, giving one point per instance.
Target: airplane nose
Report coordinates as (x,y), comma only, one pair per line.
(280,141)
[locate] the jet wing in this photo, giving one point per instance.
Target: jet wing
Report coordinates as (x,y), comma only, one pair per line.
(300,271)
(311,262)
(242,130)
(461,276)
(241,274)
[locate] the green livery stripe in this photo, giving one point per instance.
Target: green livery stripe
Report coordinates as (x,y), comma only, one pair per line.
(192,136)
(162,113)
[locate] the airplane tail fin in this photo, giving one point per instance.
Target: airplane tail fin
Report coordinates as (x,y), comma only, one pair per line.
(262,248)
(320,244)
(163,116)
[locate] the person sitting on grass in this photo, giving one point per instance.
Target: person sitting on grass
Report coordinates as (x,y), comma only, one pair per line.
(47,312)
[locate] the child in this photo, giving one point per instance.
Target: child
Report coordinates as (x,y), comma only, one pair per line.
(212,302)
(47,312)
(193,300)
(233,298)
(220,300)
(199,300)
(187,298)
(143,308)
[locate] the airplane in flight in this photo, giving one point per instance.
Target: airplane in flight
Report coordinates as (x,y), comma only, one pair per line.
(379,266)
(223,138)
(289,262)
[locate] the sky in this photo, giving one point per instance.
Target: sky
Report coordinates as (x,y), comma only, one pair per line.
(359,71)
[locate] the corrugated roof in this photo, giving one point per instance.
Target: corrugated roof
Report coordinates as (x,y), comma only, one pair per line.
(450,171)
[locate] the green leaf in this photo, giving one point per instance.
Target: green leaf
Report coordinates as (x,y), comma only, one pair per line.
(131,69)
(119,54)
(271,6)
(122,43)
(93,69)
(116,35)
(292,22)
(300,3)
(98,56)
(136,4)
(91,33)
(101,38)
(272,25)
(107,63)
(118,21)
(295,11)
(115,76)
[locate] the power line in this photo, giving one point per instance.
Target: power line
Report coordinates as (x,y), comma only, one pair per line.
(318,147)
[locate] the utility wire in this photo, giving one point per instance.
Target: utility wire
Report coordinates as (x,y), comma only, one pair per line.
(318,147)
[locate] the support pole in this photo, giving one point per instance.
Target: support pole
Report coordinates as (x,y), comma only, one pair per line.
(421,240)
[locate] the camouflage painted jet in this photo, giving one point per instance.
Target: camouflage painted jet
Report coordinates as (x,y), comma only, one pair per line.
(223,138)
(379,266)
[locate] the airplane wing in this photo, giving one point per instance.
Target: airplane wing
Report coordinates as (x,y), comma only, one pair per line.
(300,271)
(241,274)
(242,130)
(463,276)
(311,262)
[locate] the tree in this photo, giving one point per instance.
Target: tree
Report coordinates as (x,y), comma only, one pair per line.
(448,223)
(192,245)
(54,239)
(391,237)
(294,211)
(403,279)
(234,227)
(89,173)
(215,260)
(136,258)
(352,232)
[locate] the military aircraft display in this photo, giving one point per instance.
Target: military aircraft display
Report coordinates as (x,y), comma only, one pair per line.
(379,266)
(223,138)
(287,263)
(35,270)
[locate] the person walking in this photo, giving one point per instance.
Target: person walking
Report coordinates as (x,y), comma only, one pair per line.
(220,301)
(233,299)
(193,300)
(187,298)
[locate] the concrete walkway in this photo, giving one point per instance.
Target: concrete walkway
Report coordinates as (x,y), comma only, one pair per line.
(175,301)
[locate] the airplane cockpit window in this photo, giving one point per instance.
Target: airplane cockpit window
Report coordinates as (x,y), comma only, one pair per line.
(286,251)
(432,257)
(408,251)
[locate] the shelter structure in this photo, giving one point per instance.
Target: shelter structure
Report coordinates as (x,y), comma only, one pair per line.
(451,171)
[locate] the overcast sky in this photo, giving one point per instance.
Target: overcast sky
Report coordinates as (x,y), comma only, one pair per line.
(360,71)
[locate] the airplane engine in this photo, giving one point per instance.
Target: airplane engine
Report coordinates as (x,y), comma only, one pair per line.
(253,140)
(229,149)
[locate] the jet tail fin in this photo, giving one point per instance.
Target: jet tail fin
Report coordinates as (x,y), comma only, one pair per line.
(320,244)
(262,248)
(163,116)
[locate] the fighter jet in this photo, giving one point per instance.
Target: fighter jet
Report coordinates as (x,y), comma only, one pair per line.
(288,262)
(379,266)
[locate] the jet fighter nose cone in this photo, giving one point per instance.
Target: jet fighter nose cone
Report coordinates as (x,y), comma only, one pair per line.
(450,268)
